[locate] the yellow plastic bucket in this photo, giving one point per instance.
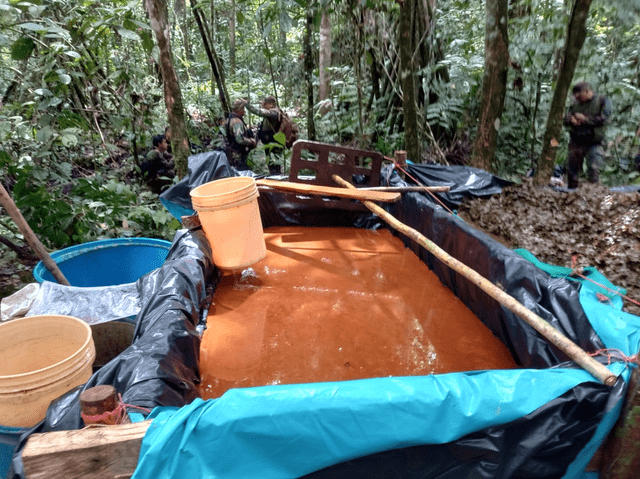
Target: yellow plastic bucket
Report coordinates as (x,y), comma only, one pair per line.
(41,358)
(230,217)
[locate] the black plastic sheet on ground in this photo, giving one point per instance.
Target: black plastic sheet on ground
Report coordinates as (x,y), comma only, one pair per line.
(203,168)
(160,368)
(464,181)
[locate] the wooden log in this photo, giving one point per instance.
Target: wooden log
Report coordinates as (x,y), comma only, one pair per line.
(554,336)
(400,160)
(190,222)
(98,452)
(30,236)
(306,189)
(101,405)
(400,157)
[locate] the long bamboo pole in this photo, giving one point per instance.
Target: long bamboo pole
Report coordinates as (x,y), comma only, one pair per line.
(554,336)
(30,236)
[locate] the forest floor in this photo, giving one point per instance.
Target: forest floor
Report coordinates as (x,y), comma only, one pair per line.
(598,227)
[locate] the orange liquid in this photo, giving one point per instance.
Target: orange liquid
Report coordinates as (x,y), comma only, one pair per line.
(334,304)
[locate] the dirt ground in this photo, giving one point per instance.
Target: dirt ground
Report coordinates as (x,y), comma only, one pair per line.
(600,226)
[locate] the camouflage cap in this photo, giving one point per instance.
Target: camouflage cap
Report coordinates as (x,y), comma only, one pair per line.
(238,104)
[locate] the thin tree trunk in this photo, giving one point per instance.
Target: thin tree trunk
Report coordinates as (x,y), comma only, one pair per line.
(535,115)
(356,13)
(494,88)
(214,18)
(576,35)
(407,78)
(324,61)
(181,12)
(308,70)
(269,56)
(158,18)
(210,35)
(232,37)
(216,69)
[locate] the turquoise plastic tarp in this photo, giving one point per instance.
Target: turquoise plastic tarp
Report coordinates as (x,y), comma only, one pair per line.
(291,430)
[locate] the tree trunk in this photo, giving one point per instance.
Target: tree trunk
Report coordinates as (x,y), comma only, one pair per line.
(356,12)
(494,87)
(324,61)
(576,35)
(181,12)
(232,37)
(407,79)
(218,73)
(158,18)
(308,70)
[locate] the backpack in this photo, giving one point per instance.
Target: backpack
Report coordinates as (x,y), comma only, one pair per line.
(288,128)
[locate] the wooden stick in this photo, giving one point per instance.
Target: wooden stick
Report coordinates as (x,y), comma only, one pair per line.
(30,236)
(99,452)
(406,189)
(554,336)
(356,194)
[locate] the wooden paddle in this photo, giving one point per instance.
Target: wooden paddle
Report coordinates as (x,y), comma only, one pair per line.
(308,189)
(554,336)
(30,236)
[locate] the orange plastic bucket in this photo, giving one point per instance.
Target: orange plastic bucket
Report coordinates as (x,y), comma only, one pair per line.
(230,217)
(41,358)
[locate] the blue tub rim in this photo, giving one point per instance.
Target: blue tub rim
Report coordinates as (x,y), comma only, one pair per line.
(76,250)
(9,439)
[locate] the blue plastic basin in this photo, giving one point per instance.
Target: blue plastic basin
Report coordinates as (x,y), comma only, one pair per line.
(106,262)
(9,437)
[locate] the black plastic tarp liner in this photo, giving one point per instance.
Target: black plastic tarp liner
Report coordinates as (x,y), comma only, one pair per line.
(203,168)
(161,367)
(540,445)
(463,181)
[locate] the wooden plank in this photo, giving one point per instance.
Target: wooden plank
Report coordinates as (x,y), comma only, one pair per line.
(307,189)
(99,452)
(407,189)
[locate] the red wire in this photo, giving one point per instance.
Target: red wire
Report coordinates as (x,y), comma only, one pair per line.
(577,273)
(612,353)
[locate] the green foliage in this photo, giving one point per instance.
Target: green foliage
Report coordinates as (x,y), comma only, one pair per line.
(80,86)
(22,48)
(64,211)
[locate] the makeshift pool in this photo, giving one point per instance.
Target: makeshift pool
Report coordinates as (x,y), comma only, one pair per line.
(106,262)
(544,420)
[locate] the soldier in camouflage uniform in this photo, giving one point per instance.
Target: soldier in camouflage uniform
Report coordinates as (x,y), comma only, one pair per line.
(587,118)
(270,125)
(239,138)
(158,168)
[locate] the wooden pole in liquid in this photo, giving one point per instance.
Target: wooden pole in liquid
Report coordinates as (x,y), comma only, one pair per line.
(552,335)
